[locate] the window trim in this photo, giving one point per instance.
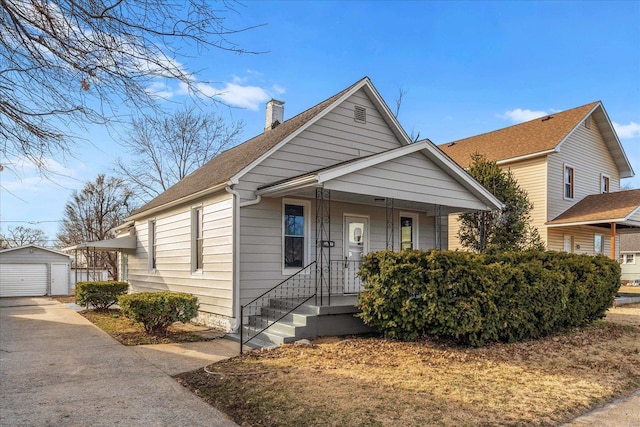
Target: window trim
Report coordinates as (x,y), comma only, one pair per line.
(153,245)
(195,268)
(564,182)
(306,209)
(604,177)
(626,262)
(414,232)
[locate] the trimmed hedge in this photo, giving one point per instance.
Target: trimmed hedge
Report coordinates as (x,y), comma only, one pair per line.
(158,310)
(479,298)
(100,295)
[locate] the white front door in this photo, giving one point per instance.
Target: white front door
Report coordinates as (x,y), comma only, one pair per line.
(356,245)
(568,243)
(59,279)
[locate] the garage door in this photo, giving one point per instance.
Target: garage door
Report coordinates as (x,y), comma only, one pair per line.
(23,280)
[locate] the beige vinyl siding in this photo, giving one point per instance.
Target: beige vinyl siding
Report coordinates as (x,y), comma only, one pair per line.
(583,237)
(261,238)
(585,151)
(531,176)
(334,138)
(212,286)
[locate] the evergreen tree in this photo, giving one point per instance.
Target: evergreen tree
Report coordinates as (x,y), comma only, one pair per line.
(507,229)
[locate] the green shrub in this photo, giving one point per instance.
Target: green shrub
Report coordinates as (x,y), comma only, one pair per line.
(478,298)
(158,310)
(100,295)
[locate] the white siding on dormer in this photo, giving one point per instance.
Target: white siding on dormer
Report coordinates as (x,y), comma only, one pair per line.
(334,138)
(586,151)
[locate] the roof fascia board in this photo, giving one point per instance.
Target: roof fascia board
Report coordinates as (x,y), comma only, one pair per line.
(31,245)
(526,157)
(592,222)
(301,182)
(180,201)
(620,147)
(236,178)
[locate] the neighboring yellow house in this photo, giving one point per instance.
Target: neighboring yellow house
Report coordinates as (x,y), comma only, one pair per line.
(570,163)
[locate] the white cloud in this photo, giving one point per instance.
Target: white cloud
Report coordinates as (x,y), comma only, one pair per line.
(161,90)
(632,130)
(22,176)
(232,93)
(519,115)
(278,89)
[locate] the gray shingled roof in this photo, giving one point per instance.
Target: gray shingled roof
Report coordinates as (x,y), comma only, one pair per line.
(228,163)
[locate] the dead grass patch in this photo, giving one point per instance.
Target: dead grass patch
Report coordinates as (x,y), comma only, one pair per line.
(377,382)
(129,332)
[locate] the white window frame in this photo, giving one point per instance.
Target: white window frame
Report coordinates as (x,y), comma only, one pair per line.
(414,232)
(564,182)
(153,245)
(596,250)
(195,226)
(306,209)
(629,258)
(604,177)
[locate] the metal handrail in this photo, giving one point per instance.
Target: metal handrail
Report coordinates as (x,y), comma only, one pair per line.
(294,294)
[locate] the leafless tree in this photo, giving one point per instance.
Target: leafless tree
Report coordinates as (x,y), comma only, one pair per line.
(165,150)
(20,236)
(92,215)
(84,62)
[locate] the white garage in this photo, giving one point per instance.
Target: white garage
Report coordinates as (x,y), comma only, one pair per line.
(34,271)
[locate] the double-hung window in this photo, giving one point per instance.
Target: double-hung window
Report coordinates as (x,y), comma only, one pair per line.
(294,235)
(629,258)
(197,241)
(408,231)
(569,182)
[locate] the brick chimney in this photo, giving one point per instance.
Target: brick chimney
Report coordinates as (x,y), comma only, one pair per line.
(275,113)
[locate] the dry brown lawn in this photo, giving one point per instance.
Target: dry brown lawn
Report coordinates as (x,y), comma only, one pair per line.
(375,382)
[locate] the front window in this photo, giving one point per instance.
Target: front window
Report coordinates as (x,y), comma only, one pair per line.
(629,258)
(569,179)
(604,184)
(197,242)
(294,235)
(597,244)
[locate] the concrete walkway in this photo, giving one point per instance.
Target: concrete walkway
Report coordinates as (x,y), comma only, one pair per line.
(58,369)
(619,413)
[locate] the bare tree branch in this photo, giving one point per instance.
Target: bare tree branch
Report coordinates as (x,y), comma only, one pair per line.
(91,61)
(165,150)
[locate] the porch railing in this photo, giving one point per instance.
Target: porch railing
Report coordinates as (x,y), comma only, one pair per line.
(296,290)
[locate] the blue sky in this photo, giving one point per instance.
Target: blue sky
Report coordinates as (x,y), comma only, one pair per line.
(465,67)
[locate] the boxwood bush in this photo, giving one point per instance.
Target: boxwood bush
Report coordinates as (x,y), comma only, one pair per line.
(100,295)
(479,298)
(158,310)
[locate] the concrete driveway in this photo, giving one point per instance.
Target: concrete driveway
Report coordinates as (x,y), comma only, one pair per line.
(58,369)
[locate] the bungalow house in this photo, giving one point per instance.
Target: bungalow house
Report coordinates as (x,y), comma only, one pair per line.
(570,163)
(282,221)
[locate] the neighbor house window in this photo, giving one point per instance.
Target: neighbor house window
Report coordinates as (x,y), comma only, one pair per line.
(604,184)
(294,235)
(569,182)
(197,240)
(597,244)
(629,258)
(152,245)
(408,231)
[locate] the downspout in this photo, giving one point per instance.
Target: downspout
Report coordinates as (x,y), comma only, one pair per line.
(236,252)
